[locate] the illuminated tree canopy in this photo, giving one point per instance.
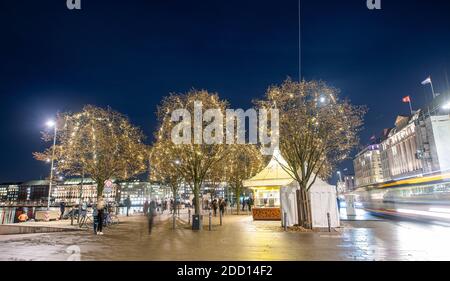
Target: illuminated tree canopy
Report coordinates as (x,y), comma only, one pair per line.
(243,161)
(96,142)
(318,130)
(195,157)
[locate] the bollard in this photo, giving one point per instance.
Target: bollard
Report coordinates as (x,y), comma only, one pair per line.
(189,216)
(210,218)
(220,218)
(285,221)
(329,222)
(71,217)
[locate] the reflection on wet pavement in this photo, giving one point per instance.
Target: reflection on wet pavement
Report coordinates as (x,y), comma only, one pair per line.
(240,238)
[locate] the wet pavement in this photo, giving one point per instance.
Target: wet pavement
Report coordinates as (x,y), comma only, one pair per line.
(239,239)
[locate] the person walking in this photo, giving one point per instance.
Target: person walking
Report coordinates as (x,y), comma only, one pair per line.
(243,203)
(214,206)
(128,204)
(95,217)
(250,204)
(172,206)
(62,209)
(100,215)
(145,208)
(151,215)
(222,206)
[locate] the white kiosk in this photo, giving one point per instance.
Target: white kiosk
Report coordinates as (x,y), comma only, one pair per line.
(275,195)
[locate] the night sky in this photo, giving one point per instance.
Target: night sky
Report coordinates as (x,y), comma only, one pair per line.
(129,54)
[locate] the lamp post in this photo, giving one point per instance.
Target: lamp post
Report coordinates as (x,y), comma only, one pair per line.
(340,176)
(51,124)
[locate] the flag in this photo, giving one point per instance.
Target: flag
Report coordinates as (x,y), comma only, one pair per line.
(427,81)
(407,99)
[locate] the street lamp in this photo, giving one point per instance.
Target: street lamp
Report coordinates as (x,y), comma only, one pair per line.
(322,99)
(50,124)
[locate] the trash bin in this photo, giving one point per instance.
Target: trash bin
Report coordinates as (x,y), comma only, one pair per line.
(196,222)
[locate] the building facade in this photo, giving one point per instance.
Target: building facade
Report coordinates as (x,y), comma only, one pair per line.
(399,151)
(433,141)
(75,190)
(367,165)
(417,146)
(9,192)
(349,182)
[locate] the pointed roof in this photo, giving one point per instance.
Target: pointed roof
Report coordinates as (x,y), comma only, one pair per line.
(273,175)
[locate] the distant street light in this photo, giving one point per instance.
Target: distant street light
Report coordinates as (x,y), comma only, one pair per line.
(51,124)
(446,106)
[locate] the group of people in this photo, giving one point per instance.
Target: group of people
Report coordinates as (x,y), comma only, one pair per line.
(160,206)
(220,204)
(247,203)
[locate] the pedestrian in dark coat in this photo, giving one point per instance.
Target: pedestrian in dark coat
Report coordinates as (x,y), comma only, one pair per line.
(222,206)
(128,204)
(214,206)
(145,208)
(62,208)
(151,215)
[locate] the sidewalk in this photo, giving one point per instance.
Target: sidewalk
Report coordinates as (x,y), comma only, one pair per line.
(239,239)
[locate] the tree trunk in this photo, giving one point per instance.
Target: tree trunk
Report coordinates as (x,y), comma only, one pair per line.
(238,199)
(299,207)
(197,198)
(304,208)
(307,216)
(308,210)
(100,187)
(174,194)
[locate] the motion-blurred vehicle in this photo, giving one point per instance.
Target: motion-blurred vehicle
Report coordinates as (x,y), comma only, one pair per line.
(421,198)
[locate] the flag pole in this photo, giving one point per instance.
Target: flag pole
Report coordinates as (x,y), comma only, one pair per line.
(410,106)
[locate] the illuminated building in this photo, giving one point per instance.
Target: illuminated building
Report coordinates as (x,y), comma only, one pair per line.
(399,150)
(367,166)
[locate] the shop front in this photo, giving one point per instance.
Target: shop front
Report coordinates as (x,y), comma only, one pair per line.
(266,203)
(266,187)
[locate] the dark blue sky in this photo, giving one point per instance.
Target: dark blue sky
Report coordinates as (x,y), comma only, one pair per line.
(129,54)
